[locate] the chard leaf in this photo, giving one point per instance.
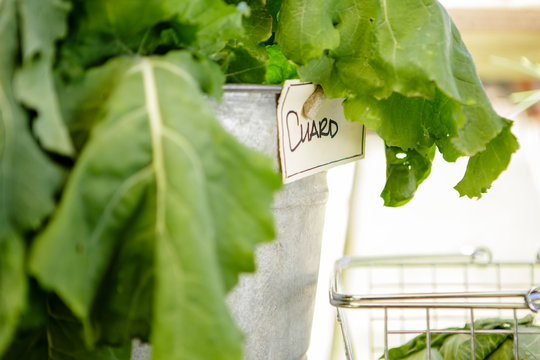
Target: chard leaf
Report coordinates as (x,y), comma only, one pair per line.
(123,306)
(104,29)
(306,29)
(504,352)
(217,22)
(273,7)
(529,347)
(403,70)
(43,23)
(497,346)
(279,67)
(257,24)
(450,348)
(160,181)
(28,182)
(83,98)
(485,167)
(65,338)
(245,58)
(30,341)
(29,345)
(423,355)
(416,345)
(405,170)
(402,122)
(100,30)
(246,65)
(459,346)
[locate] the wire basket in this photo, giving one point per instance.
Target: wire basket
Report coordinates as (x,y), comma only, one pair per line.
(405,296)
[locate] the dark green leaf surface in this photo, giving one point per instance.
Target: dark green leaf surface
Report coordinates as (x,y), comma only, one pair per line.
(246,59)
(405,170)
(29,345)
(160,163)
(66,342)
(245,65)
(12,286)
(258,24)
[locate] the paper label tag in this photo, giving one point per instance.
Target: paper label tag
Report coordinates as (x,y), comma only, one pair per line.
(308,146)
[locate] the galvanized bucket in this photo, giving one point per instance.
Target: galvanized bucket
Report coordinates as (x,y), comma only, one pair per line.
(274,306)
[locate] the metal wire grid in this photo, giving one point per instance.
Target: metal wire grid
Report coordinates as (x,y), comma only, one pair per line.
(411,295)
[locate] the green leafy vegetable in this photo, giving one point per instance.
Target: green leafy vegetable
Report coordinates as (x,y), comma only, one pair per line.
(528,349)
(483,168)
(306,29)
(168,161)
(423,355)
(28,181)
(245,65)
(279,67)
(459,346)
(43,22)
(103,29)
(416,347)
(405,171)
(246,59)
(495,346)
(127,211)
(405,73)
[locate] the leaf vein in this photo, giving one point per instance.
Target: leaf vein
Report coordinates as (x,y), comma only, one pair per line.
(123,189)
(156,129)
(187,148)
(175,70)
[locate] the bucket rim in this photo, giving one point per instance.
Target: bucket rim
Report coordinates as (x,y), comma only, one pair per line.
(252,88)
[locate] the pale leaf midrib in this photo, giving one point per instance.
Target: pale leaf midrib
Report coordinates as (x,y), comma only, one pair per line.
(159,131)
(156,132)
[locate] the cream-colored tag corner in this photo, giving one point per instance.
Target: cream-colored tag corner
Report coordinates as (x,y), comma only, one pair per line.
(313,133)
